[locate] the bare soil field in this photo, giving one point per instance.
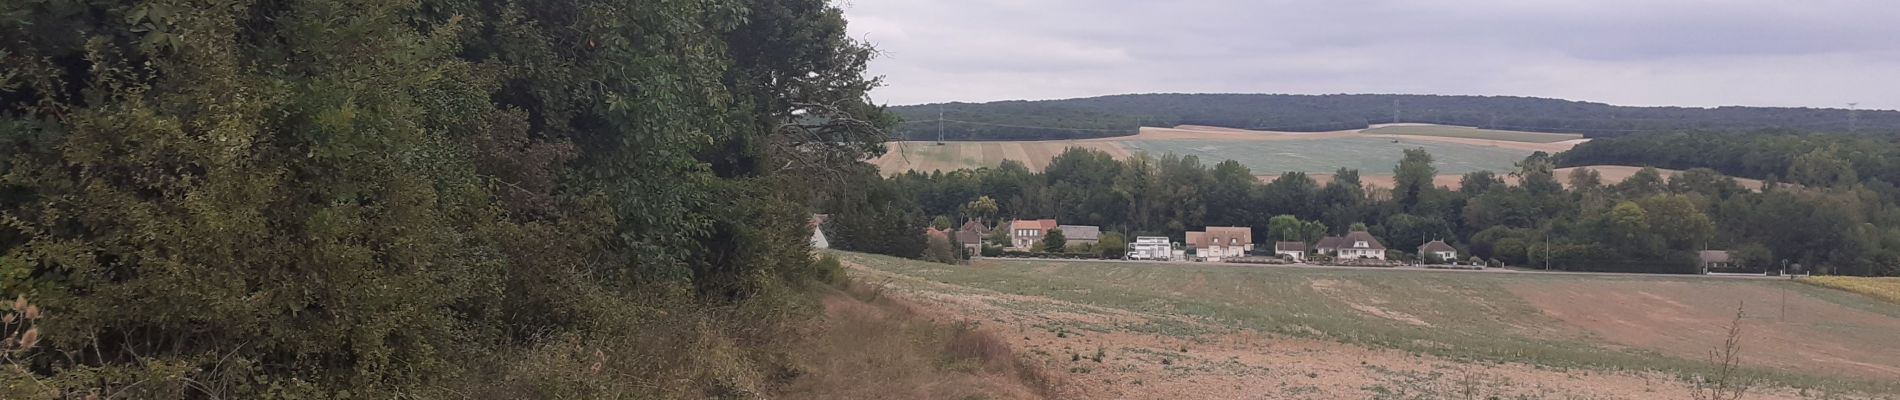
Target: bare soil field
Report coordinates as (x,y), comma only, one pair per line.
(1267,152)
(1176,331)
(1676,318)
(1613,174)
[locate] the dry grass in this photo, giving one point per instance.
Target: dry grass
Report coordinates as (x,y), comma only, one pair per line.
(1887,289)
(870,346)
(1216,331)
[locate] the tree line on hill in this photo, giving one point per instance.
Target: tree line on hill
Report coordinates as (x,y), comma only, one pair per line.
(1778,155)
(1646,223)
(1120,115)
(313,199)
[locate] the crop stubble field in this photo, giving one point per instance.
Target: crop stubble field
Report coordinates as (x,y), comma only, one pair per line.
(1458,150)
(1224,331)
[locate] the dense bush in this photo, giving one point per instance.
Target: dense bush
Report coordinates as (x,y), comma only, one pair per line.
(377,198)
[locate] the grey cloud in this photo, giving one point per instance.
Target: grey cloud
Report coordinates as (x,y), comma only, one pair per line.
(1690,52)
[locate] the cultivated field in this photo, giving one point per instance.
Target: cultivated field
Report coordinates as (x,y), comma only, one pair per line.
(1148,330)
(1887,289)
(1458,150)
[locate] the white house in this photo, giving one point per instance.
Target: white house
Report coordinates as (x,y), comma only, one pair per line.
(1360,245)
(1221,242)
(1151,248)
(1438,248)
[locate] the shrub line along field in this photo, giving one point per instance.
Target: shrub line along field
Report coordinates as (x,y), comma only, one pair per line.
(1152,330)
(1458,150)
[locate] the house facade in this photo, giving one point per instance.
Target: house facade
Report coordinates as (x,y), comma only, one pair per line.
(970,236)
(1024,234)
(1438,248)
(1328,245)
(1295,251)
(1221,242)
(1360,245)
(1075,235)
(1715,260)
(1151,248)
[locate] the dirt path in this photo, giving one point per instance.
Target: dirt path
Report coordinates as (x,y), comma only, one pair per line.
(1101,352)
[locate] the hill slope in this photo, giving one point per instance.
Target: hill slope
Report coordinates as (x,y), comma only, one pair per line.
(1120,115)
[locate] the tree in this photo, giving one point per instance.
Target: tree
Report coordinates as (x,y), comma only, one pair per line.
(1293,193)
(1705,182)
(999,237)
(1755,257)
(1137,187)
(370,199)
(1053,242)
(1538,175)
(1408,232)
(982,209)
(1479,182)
(1645,182)
(1312,231)
(1628,222)
(1678,221)
(941,223)
(1112,245)
(1285,228)
(1413,178)
(1357,227)
(940,249)
(1821,168)
(1231,198)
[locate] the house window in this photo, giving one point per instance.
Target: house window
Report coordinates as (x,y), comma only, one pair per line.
(1359,244)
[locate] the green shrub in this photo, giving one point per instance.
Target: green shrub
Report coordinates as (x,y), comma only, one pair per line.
(399,199)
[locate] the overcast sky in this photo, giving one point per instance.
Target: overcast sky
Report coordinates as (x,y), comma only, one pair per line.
(1820,53)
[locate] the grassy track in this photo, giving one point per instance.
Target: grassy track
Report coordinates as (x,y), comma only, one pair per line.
(1473,316)
(1472,133)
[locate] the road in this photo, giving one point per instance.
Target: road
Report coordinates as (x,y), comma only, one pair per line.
(1404,268)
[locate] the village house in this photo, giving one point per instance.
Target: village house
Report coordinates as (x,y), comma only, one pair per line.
(1024,234)
(1715,260)
(1221,242)
(1360,245)
(971,235)
(1295,251)
(1437,248)
(1151,248)
(1078,235)
(1328,245)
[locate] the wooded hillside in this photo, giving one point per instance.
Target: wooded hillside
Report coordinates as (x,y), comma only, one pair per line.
(412,199)
(1121,114)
